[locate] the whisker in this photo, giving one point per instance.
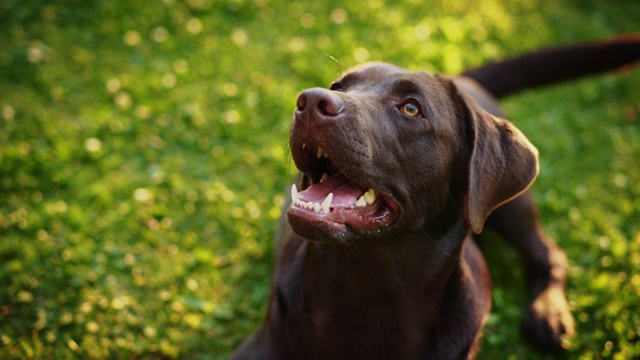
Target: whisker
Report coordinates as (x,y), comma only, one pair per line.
(287,159)
(352,248)
(332,58)
(436,245)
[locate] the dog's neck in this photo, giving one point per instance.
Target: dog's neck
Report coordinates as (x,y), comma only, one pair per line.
(379,285)
(381,265)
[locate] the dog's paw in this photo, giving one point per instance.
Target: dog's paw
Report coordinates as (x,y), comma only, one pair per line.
(548,320)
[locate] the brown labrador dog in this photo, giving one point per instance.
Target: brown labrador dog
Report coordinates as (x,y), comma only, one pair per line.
(377,259)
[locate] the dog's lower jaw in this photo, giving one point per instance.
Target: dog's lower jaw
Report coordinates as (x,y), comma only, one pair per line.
(316,230)
(343,225)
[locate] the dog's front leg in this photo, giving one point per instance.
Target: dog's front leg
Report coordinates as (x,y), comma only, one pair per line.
(548,317)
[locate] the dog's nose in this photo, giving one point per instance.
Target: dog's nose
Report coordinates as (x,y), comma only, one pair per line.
(321,103)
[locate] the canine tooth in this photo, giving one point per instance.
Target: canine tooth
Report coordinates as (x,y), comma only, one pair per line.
(294,192)
(326,204)
(304,146)
(319,153)
(324,177)
(361,202)
(370,196)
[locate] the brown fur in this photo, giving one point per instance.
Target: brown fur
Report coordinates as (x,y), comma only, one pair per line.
(412,283)
(420,287)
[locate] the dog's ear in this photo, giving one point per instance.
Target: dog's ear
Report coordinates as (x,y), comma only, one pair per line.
(503,164)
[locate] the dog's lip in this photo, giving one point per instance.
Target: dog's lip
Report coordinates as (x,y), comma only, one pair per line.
(380,214)
(337,201)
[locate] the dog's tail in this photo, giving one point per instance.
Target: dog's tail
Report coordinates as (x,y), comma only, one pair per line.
(556,64)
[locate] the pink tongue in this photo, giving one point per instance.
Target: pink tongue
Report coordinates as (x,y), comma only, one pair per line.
(345,192)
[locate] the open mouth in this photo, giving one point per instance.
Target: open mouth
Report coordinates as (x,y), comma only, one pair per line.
(330,200)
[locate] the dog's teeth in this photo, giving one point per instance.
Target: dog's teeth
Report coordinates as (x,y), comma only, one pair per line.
(304,146)
(319,153)
(326,204)
(325,207)
(361,202)
(370,196)
(324,177)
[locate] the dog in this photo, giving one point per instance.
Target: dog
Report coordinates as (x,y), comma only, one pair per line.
(377,257)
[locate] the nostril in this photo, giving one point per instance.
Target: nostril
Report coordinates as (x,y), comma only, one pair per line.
(301,103)
(320,103)
(331,106)
(322,106)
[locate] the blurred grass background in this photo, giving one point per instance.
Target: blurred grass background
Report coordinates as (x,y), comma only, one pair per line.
(143,162)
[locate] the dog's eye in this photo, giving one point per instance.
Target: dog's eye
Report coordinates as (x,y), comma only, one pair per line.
(336,86)
(411,108)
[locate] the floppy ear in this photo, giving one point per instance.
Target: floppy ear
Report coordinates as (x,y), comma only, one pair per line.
(503,164)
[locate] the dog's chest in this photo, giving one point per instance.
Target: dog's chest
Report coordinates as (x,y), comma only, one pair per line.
(359,311)
(383,328)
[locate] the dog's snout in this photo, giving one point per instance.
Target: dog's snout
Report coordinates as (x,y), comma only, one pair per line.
(323,103)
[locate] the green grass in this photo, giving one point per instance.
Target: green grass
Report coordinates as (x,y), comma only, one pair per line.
(143,163)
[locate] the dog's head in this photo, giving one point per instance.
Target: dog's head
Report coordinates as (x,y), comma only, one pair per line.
(386,149)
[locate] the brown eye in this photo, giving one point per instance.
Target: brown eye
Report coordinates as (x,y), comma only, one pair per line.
(410,108)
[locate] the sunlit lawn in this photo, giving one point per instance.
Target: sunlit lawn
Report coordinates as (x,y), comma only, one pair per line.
(143,162)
